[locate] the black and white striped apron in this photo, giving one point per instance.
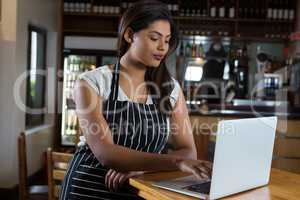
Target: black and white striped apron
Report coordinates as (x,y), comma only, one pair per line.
(134,125)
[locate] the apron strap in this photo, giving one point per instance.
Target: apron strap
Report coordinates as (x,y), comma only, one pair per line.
(115,83)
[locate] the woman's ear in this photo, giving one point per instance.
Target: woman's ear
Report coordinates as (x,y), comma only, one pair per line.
(128,35)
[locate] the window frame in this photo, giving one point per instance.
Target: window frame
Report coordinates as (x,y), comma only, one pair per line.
(30,122)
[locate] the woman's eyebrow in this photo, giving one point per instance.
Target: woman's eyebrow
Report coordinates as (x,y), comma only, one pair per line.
(160,33)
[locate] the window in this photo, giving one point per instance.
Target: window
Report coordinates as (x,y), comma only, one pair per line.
(35,92)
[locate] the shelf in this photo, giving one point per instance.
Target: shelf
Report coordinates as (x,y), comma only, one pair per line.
(81,32)
(91,14)
(82,26)
(265,21)
(204,18)
(260,39)
(234,38)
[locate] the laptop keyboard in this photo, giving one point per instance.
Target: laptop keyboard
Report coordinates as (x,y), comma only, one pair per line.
(200,188)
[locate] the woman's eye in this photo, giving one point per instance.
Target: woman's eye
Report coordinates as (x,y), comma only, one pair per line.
(167,42)
(154,39)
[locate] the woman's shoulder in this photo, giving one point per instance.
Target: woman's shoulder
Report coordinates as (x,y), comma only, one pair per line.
(102,71)
(99,79)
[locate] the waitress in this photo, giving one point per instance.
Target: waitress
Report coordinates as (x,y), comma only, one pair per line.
(126,112)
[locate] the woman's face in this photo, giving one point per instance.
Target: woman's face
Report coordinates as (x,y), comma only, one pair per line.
(151,45)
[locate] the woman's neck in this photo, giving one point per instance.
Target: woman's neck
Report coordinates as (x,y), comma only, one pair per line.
(135,70)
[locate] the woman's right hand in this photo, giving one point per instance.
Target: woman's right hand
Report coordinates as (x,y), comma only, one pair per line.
(200,168)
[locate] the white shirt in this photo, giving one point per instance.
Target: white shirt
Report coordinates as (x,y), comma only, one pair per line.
(100,80)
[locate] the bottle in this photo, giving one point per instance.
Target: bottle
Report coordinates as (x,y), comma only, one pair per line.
(181,9)
(111,7)
(252,9)
(81,6)
(181,49)
(88,6)
(275,10)
(194,50)
(213,8)
(245,10)
(105,5)
(75,64)
(169,4)
(188,50)
(66,122)
(71,63)
(270,10)
(241,9)
(280,9)
(199,9)
(200,51)
(124,6)
(286,10)
(175,8)
(101,6)
(71,6)
(204,11)
(193,8)
(77,6)
(130,3)
(232,9)
(187,8)
(249,11)
(292,11)
(71,129)
(66,6)
(69,81)
(258,9)
(222,9)
(95,6)
(114,7)
(81,64)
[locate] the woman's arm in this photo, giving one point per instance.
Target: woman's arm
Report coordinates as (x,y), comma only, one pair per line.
(182,134)
(99,139)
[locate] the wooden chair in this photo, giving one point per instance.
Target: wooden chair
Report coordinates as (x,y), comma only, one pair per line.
(57,164)
(24,188)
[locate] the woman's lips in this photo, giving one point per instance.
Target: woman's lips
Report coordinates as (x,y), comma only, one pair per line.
(158,57)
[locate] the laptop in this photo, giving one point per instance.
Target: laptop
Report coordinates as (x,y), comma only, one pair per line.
(242,160)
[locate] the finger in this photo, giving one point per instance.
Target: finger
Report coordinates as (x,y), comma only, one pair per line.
(208,164)
(209,168)
(204,171)
(107,176)
(204,175)
(197,172)
(116,181)
(122,179)
(110,180)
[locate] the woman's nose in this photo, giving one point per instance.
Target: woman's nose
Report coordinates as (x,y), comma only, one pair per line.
(162,46)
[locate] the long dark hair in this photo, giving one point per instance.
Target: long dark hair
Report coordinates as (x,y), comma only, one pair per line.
(139,17)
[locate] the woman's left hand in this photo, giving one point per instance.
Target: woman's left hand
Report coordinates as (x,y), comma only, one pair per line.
(115,180)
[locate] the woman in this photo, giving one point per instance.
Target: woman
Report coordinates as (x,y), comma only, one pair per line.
(126,122)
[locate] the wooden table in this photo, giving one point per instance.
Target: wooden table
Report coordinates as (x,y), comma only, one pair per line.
(283,186)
